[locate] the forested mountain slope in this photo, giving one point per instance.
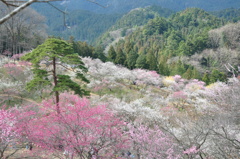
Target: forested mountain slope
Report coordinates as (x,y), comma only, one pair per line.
(167,89)
(131,21)
(176,117)
(230,14)
(140,16)
(87,21)
(116,6)
(164,45)
(82,24)
(88,26)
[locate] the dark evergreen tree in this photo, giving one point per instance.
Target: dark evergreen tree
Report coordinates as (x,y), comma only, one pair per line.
(163,66)
(84,50)
(98,53)
(131,59)
(151,61)
(188,73)
(178,68)
(195,74)
(121,57)
(217,76)
(112,54)
(206,78)
(128,47)
(56,53)
(141,62)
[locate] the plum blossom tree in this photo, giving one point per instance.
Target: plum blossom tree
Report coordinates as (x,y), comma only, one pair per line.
(8,134)
(207,127)
(81,129)
(226,124)
(147,77)
(213,130)
(114,75)
(152,143)
(107,71)
(14,76)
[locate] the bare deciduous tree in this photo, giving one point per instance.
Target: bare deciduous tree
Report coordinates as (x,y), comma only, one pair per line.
(22,4)
(22,32)
(19,6)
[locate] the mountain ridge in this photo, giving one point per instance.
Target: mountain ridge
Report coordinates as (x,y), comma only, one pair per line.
(123,6)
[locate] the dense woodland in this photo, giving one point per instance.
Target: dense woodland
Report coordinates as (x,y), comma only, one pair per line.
(150,83)
(123,6)
(191,43)
(159,40)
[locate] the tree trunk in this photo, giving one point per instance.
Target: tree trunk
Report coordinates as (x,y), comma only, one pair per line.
(1,154)
(55,84)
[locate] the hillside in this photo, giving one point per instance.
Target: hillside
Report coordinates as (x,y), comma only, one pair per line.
(154,38)
(158,39)
(230,14)
(171,45)
(89,21)
(131,21)
(140,16)
(158,84)
(123,6)
(185,113)
(83,25)
(89,26)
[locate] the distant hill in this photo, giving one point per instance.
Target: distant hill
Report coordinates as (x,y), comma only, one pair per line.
(230,14)
(140,16)
(131,21)
(82,24)
(88,26)
(172,45)
(88,21)
(123,6)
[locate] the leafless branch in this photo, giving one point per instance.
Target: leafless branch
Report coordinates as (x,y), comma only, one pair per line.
(16,10)
(64,14)
(94,1)
(19,8)
(231,69)
(26,3)
(66,67)
(9,3)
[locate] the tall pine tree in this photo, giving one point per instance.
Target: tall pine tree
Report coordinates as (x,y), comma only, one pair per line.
(56,53)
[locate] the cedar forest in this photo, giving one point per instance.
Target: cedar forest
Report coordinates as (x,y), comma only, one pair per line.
(149,82)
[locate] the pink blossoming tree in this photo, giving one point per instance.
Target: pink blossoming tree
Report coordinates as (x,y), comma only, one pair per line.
(8,134)
(152,143)
(81,129)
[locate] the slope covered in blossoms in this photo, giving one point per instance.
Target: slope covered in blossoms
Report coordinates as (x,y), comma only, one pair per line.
(188,110)
(130,113)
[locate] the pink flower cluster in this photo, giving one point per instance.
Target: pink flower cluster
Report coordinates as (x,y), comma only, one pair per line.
(179,95)
(192,150)
(13,69)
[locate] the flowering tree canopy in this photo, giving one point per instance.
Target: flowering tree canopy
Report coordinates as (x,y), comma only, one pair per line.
(80,128)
